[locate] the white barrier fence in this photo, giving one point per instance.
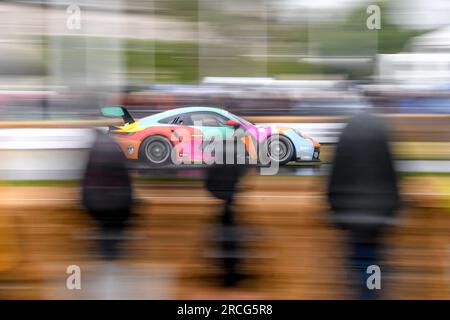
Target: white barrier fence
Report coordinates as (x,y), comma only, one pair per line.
(44,154)
(322,132)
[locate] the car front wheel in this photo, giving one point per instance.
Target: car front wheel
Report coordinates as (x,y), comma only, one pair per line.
(280,149)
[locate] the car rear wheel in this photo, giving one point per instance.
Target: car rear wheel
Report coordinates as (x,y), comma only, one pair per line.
(280,149)
(156,151)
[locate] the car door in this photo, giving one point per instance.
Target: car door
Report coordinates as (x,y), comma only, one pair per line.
(213,128)
(212,125)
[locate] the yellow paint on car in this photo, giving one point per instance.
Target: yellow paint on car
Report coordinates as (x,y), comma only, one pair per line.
(132,127)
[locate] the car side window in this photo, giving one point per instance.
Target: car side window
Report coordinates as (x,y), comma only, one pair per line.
(167,120)
(179,119)
(207,119)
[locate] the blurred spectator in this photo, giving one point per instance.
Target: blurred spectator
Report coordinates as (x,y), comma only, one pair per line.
(363,194)
(107,193)
(222,182)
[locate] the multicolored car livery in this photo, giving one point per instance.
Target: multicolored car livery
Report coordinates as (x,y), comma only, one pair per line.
(182,135)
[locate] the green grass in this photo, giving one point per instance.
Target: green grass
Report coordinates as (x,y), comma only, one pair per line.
(74,183)
(425,174)
(39,183)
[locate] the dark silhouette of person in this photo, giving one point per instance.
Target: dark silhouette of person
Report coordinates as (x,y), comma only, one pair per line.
(363,194)
(107,193)
(221,182)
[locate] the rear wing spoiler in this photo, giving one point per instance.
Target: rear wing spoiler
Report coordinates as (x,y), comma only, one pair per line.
(118,111)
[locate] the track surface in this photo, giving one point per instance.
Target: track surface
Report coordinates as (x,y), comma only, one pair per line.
(196,171)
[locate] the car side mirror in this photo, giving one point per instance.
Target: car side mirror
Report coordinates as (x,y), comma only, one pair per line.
(233,123)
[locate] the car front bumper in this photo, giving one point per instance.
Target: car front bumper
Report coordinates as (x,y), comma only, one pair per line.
(307,150)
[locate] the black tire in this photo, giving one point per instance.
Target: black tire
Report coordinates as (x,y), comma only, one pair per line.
(156,151)
(285,147)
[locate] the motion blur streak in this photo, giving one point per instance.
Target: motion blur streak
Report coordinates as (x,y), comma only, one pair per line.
(155,230)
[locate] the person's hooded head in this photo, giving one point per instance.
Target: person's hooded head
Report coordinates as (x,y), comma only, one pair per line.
(106,184)
(363,179)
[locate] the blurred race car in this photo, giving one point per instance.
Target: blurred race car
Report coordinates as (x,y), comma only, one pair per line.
(185,133)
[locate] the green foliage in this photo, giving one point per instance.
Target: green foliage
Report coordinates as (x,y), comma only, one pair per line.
(392,39)
(278,67)
(164,61)
(186,9)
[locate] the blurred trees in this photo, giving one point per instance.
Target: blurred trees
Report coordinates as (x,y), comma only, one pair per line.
(252,38)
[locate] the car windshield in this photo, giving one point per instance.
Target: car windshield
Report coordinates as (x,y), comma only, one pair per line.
(248,123)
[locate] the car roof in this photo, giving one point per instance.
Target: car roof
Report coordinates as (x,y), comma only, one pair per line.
(193,109)
(168,113)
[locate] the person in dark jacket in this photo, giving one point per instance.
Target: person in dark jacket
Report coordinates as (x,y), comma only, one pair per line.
(222,182)
(107,193)
(363,194)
